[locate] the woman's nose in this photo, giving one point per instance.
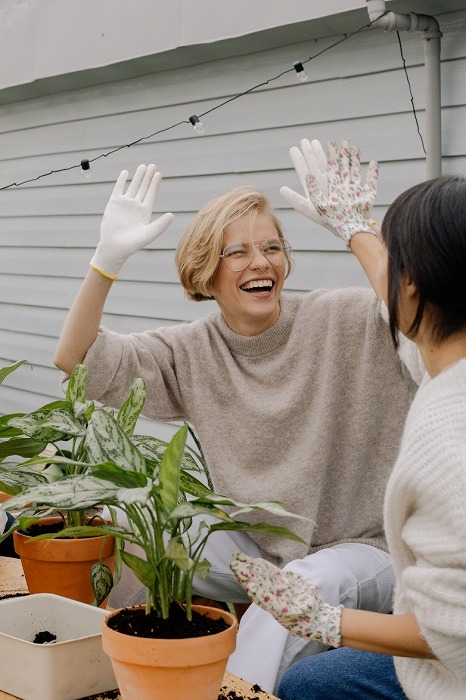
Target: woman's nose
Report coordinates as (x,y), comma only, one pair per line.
(258,257)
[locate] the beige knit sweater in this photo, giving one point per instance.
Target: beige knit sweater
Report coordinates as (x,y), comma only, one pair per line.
(310,412)
(425,515)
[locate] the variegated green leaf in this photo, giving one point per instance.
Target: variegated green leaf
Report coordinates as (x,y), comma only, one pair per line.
(106,442)
(176,552)
(76,492)
(76,390)
(102,581)
(130,411)
(170,468)
(202,568)
(34,425)
(191,508)
(189,484)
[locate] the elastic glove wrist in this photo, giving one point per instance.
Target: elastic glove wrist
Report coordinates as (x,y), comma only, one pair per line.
(104,267)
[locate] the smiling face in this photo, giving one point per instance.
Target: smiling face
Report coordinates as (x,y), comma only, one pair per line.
(249,300)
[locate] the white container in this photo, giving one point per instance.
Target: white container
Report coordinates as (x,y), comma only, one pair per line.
(75,666)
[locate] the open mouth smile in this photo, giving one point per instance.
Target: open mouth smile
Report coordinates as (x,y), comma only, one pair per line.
(255,286)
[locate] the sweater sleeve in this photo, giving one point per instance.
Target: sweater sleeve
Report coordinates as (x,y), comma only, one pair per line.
(114,360)
(428,512)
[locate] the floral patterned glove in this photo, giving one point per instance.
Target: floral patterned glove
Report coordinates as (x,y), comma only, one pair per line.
(310,159)
(346,207)
(292,599)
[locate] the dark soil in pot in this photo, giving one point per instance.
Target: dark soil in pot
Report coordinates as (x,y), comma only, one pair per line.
(135,622)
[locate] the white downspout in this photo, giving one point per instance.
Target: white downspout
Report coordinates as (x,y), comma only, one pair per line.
(431,34)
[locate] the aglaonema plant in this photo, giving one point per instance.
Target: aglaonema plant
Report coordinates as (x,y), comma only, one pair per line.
(54,442)
(164,504)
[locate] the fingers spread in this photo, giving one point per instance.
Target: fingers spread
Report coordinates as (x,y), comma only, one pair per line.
(145,183)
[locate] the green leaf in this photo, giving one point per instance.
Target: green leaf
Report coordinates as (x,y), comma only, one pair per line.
(129,413)
(102,581)
(189,484)
(141,568)
(5,371)
(239,526)
(170,468)
(22,447)
(120,477)
(192,508)
(176,552)
(76,390)
(106,442)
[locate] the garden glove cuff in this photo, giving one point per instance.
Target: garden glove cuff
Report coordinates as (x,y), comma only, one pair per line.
(126,224)
(347,205)
(292,599)
(310,160)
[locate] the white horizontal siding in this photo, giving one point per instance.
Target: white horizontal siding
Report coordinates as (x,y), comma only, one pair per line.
(49,228)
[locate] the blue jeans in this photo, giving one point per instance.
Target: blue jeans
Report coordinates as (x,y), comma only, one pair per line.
(346,674)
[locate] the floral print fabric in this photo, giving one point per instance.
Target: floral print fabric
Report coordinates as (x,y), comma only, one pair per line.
(292,599)
(347,206)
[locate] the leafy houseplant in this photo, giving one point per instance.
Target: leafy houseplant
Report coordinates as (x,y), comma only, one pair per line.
(164,505)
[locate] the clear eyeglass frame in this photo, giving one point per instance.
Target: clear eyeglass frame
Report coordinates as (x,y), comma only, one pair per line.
(237,256)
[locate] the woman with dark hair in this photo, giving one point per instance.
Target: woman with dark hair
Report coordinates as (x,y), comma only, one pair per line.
(419,652)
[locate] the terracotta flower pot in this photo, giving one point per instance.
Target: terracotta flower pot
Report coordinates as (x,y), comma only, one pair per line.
(157,669)
(63,566)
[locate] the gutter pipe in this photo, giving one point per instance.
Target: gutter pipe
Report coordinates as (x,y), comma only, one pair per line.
(431,35)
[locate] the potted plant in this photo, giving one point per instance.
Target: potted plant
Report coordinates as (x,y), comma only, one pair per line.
(160,499)
(58,428)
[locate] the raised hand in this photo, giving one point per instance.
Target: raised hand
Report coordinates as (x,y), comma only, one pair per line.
(292,599)
(126,224)
(310,160)
(346,206)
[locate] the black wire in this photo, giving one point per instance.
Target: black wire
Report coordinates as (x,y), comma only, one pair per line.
(410,92)
(186,121)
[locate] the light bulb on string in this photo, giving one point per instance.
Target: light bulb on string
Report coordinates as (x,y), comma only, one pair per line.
(199,127)
(86,168)
(300,72)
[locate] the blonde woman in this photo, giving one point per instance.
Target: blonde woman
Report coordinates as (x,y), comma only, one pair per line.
(294,397)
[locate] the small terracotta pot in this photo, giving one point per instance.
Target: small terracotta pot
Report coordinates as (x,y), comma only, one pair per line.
(157,669)
(63,566)
(4,496)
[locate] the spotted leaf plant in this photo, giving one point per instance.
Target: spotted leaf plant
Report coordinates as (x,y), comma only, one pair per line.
(156,500)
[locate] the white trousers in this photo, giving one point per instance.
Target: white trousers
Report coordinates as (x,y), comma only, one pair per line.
(354,575)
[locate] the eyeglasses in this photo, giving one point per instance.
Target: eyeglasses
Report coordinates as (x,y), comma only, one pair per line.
(237,256)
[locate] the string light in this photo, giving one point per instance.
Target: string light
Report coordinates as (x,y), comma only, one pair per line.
(199,127)
(300,72)
(194,119)
(86,168)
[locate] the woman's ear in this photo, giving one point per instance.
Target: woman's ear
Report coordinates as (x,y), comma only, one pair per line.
(408,285)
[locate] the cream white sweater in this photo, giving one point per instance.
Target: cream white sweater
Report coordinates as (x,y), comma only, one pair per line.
(425,517)
(310,412)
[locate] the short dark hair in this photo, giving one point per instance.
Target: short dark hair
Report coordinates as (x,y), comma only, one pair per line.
(424,231)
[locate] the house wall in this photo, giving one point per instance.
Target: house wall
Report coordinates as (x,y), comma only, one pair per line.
(49,227)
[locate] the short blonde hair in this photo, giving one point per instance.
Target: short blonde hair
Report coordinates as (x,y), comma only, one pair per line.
(199,249)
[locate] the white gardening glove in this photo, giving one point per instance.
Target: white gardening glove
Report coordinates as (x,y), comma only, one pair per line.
(346,207)
(126,224)
(292,599)
(310,160)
